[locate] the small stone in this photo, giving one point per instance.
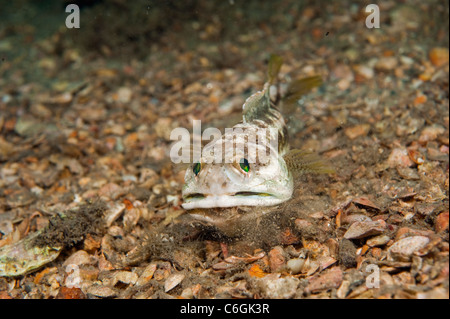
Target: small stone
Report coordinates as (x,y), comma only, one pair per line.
(329,280)
(350,219)
(146,275)
(406,60)
(439,56)
(276,259)
(163,127)
(344,289)
(40,110)
(295,265)
(302,224)
(408,173)
(28,127)
(347,253)
(364,201)
(343,84)
(365,71)
(399,158)
(406,247)
(78,258)
(436,293)
(364,229)
(343,71)
(441,222)
(172,281)
(378,240)
(430,133)
(101,291)
(406,17)
(274,287)
(113,212)
(126,277)
(404,232)
(124,94)
(187,293)
(70,293)
(386,63)
(356,131)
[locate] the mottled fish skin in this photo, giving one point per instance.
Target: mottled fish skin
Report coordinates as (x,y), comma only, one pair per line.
(267,183)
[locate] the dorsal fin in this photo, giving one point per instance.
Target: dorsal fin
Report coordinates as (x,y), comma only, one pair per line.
(256,106)
(273,68)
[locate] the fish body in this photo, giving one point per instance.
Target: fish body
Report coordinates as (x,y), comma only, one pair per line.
(254,168)
(240,177)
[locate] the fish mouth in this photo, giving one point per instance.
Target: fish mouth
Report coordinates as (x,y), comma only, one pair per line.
(253,194)
(246,198)
(193,196)
(198,196)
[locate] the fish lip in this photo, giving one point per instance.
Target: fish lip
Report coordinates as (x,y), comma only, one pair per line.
(231,200)
(199,196)
(194,196)
(250,193)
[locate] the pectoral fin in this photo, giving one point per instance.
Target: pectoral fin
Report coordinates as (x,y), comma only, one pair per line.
(304,162)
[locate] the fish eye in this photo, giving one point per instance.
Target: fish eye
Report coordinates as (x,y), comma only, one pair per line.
(245,166)
(196,169)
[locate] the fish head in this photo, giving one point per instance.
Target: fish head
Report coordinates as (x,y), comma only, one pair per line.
(239,178)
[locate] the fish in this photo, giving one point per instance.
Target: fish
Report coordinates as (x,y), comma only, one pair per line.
(260,167)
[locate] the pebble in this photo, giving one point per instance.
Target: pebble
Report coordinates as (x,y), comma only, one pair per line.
(406,60)
(146,275)
(406,247)
(408,173)
(404,232)
(399,158)
(357,130)
(295,265)
(430,133)
(329,280)
(441,222)
(70,293)
(439,56)
(386,63)
(114,211)
(350,219)
(277,259)
(406,17)
(40,110)
(172,281)
(347,253)
(124,94)
(126,277)
(437,293)
(6,227)
(364,229)
(101,291)
(365,71)
(302,224)
(274,287)
(378,240)
(163,127)
(78,258)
